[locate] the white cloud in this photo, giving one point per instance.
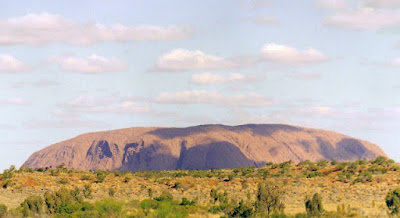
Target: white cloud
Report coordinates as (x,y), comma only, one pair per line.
(382,3)
(189,97)
(9,63)
(396,62)
(45,28)
(365,19)
(182,59)
(212,97)
(91,64)
(186,60)
(209,78)
(90,104)
(292,56)
(332,4)
(264,20)
(15,101)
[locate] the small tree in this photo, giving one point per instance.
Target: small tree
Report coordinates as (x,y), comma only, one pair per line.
(268,200)
(32,205)
(87,191)
(165,196)
(214,195)
(314,205)
(241,211)
(150,192)
(100,176)
(111,192)
(393,201)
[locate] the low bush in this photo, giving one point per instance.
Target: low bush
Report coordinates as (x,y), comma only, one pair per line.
(32,205)
(3,210)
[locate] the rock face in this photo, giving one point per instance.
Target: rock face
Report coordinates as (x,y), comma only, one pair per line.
(201,147)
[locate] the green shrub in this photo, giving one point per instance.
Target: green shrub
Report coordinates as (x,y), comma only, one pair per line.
(312,167)
(165,196)
(344,177)
(8,174)
(111,192)
(381,160)
(100,176)
(214,195)
(313,174)
(3,210)
(301,215)
(127,179)
(6,183)
(185,202)
(241,210)
(231,177)
(109,208)
(363,177)
(149,204)
(314,205)
(322,163)
(245,184)
(85,177)
(54,172)
(63,181)
(177,185)
(63,201)
(268,199)
(150,192)
(278,215)
(32,205)
(164,210)
(393,201)
(87,191)
(117,173)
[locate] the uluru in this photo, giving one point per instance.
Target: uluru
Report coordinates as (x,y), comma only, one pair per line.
(201,147)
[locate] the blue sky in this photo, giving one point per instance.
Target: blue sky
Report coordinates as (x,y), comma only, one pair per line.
(70,67)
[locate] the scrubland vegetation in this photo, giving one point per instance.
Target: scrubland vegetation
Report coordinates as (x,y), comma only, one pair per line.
(322,189)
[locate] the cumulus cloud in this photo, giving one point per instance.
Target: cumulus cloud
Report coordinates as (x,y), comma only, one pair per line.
(382,3)
(396,62)
(92,64)
(91,104)
(45,28)
(332,4)
(10,64)
(209,78)
(365,19)
(182,59)
(292,56)
(212,97)
(14,101)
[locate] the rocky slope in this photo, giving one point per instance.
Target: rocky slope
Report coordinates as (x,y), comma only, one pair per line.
(201,147)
